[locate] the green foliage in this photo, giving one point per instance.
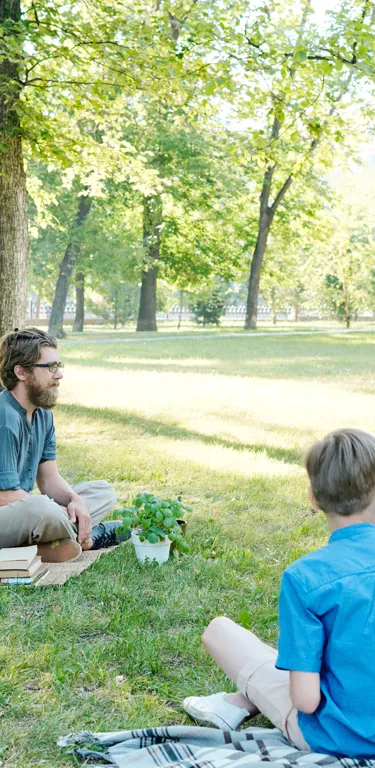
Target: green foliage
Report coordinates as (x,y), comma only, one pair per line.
(130,100)
(208,311)
(156,518)
(334,290)
(116,303)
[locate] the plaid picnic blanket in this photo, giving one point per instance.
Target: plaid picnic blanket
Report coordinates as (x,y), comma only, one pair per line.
(194,747)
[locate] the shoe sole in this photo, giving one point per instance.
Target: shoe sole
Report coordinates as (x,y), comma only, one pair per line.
(207,718)
(199,718)
(63,551)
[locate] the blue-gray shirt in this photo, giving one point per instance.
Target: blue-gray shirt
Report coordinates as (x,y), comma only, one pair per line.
(23,445)
(327,625)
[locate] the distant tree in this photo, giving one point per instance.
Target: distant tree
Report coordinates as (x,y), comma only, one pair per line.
(209,311)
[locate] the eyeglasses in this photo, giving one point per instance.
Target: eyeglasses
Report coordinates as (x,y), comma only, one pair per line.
(52,367)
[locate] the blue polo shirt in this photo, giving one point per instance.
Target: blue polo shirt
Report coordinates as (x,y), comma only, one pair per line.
(327,625)
(23,445)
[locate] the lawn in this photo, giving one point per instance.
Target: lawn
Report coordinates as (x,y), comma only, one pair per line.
(223,421)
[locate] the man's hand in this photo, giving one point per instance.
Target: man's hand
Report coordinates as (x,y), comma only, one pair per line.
(78,514)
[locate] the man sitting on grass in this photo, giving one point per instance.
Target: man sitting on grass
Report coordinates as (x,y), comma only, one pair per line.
(319,687)
(60,520)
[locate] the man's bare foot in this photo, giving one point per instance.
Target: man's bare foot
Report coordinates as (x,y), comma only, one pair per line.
(87,544)
(59,551)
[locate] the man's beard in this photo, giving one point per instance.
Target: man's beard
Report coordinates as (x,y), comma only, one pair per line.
(41,397)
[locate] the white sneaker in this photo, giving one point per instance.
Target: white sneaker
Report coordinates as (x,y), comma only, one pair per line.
(215,710)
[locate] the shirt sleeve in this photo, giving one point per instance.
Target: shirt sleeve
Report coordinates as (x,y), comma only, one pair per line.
(9,445)
(49,449)
(301,632)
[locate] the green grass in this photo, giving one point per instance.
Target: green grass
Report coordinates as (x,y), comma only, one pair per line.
(224,421)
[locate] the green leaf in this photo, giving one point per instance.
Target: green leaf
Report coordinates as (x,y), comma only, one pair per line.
(245,619)
(210,88)
(169,522)
(152,537)
(127,521)
(158,531)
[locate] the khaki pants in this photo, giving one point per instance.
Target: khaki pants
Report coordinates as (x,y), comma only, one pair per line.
(268,688)
(38,519)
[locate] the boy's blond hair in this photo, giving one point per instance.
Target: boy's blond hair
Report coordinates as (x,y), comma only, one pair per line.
(341,468)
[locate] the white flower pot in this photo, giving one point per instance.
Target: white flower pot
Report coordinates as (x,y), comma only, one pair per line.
(158,553)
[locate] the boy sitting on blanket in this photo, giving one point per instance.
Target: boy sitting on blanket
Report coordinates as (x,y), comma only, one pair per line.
(319,688)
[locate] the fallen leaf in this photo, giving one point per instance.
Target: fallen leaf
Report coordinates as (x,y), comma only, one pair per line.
(120,679)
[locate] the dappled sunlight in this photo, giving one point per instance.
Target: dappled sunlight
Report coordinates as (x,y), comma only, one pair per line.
(237,420)
(79,353)
(301,358)
(218,458)
(189,399)
(188,362)
(245,432)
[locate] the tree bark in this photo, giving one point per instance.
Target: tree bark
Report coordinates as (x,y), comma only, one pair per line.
(296,310)
(56,321)
(14,245)
(348,314)
(147,304)
(152,221)
(266,215)
(115,321)
(180,309)
(255,270)
(79,319)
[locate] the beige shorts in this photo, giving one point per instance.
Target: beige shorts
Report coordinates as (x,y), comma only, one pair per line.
(268,688)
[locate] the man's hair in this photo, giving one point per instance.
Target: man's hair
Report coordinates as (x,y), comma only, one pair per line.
(21,348)
(341,468)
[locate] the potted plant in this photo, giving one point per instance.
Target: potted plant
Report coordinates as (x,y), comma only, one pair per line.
(155,525)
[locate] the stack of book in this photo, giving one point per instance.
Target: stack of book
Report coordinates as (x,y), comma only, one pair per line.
(21,565)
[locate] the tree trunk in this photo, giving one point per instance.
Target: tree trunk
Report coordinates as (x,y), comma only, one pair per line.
(152,221)
(79,319)
(180,310)
(255,270)
(296,310)
(56,320)
(116,309)
(348,314)
(13,195)
(37,310)
(147,303)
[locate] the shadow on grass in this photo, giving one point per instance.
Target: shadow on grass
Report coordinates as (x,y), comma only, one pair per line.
(175,431)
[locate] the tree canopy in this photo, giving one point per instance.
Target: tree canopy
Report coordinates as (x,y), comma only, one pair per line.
(173,139)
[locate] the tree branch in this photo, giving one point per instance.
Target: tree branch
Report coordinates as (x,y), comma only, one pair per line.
(281,194)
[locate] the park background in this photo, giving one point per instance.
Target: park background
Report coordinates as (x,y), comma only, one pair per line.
(213,162)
